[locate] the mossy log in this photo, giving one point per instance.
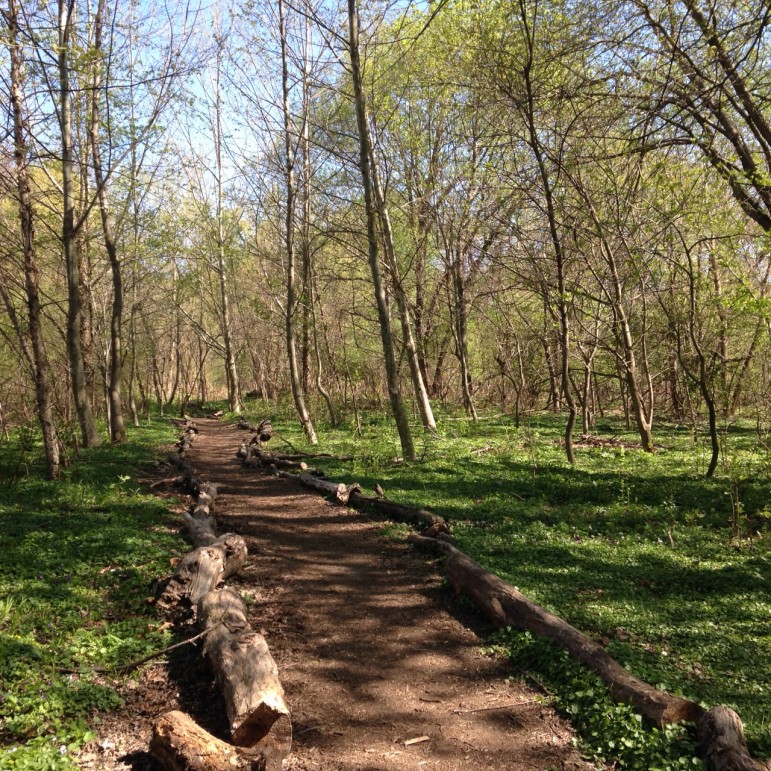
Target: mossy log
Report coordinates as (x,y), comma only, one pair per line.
(506,606)
(246,673)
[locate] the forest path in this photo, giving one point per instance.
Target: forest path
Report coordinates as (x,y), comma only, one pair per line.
(368,652)
(372,649)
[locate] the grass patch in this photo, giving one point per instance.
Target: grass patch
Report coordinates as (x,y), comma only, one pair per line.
(672,570)
(79,556)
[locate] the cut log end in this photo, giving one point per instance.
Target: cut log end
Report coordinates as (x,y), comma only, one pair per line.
(268,726)
(179,744)
(247,674)
(721,734)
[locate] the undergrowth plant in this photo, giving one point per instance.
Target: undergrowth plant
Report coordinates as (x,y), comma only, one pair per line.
(79,556)
(607,732)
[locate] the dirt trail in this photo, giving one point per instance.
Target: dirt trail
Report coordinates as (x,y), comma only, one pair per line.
(368,642)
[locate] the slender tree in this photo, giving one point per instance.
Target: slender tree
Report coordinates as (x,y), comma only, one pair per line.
(365,166)
(117,428)
(66,21)
(290,154)
(39,357)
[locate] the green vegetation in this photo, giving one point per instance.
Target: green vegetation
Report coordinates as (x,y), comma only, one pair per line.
(79,556)
(670,569)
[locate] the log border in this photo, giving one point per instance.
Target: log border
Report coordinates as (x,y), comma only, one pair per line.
(253,693)
(719,729)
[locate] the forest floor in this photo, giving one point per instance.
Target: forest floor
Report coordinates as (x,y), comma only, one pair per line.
(372,648)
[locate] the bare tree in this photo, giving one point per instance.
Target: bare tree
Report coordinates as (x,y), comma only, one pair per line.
(117,428)
(365,166)
(290,154)
(66,25)
(39,357)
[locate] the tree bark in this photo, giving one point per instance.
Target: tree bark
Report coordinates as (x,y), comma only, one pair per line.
(31,274)
(180,744)
(90,437)
(721,734)
(289,235)
(246,672)
(234,395)
(203,569)
(559,252)
(117,427)
(505,606)
(418,383)
(365,164)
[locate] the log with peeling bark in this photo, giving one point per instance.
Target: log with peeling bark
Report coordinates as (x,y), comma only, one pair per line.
(214,559)
(337,490)
(721,735)
(204,504)
(506,606)
(247,674)
(430,524)
(178,743)
(202,570)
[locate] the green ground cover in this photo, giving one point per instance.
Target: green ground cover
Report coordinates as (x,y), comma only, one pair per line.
(670,569)
(78,559)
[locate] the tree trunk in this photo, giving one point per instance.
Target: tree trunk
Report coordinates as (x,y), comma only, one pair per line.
(178,743)
(418,383)
(365,164)
(31,273)
(117,427)
(319,384)
(90,437)
(559,253)
(246,672)
(506,606)
(289,235)
(721,735)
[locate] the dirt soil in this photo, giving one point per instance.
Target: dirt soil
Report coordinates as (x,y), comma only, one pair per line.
(373,650)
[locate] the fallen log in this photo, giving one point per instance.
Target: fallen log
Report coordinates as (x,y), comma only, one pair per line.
(246,673)
(430,524)
(185,424)
(721,735)
(200,530)
(207,492)
(203,570)
(351,495)
(178,743)
(336,490)
(506,606)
